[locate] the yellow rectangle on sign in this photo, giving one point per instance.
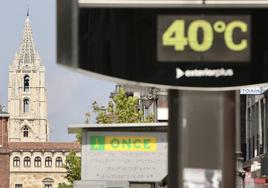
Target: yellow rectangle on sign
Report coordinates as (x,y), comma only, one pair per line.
(130,143)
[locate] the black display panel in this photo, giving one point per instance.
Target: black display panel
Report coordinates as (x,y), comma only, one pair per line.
(127,43)
(203,38)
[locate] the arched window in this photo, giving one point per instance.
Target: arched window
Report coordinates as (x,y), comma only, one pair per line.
(58,162)
(48,182)
(48,161)
(27,161)
(26,105)
(16,161)
(26,83)
(37,161)
(25,132)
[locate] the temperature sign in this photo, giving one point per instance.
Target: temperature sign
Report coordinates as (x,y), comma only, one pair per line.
(210,38)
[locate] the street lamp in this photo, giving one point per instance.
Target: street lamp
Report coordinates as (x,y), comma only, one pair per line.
(148,100)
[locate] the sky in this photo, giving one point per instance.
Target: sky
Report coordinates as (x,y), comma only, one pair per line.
(69,93)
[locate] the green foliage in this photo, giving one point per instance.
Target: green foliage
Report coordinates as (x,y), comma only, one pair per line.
(79,134)
(78,137)
(122,109)
(64,185)
(73,167)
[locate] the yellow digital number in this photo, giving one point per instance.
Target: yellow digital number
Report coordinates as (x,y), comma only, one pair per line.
(174,36)
(228,36)
(207,39)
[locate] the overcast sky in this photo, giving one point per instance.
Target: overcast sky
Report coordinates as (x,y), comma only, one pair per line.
(69,93)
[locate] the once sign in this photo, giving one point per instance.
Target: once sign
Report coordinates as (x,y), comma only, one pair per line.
(125,156)
(123,143)
(175,47)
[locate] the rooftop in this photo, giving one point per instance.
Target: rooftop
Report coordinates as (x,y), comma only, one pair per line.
(44,146)
(158,126)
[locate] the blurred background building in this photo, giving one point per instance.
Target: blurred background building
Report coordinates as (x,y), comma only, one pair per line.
(27,158)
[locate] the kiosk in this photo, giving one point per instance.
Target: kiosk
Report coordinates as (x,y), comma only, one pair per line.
(122,155)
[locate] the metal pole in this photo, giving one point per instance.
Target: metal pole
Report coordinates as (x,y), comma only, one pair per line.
(174,141)
(201,136)
(239,158)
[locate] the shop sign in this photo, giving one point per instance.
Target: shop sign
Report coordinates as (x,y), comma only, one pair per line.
(253,91)
(123,143)
(124,156)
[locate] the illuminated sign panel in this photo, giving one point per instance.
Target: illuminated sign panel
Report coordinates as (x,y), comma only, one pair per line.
(210,38)
(219,48)
(123,143)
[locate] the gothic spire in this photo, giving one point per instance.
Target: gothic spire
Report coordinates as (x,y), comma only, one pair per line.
(27,53)
(28,11)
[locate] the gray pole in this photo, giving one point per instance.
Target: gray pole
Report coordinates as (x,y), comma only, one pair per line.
(239,158)
(174,141)
(201,135)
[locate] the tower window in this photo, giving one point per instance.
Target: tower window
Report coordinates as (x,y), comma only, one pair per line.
(26,105)
(58,162)
(18,185)
(37,161)
(48,162)
(27,161)
(16,161)
(25,132)
(26,83)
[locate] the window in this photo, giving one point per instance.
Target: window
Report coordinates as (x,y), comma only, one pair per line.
(48,186)
(47,182)
(25,132)
(18,185)
(16,161)
(26,105)
(58,162)
(26,83)
(27,161)
(37,161)
(48,162)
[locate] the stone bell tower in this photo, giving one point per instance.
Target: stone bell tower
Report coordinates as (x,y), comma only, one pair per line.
(27,100)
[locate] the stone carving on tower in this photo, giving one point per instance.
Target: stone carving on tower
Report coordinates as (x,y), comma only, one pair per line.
(27,100)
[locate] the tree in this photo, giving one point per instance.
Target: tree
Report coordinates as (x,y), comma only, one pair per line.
(73,167)
(64,185)
(79,134)
(122,109)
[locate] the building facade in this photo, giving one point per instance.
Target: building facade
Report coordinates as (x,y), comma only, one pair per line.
(39,165)
(254,139)
(27,158)
(4,150)
(27,101)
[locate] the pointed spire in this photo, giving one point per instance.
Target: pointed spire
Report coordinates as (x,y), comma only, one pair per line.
(26,54)
(27,10)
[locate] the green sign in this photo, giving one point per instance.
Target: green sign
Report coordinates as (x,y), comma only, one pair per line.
(123,143)
(97,143)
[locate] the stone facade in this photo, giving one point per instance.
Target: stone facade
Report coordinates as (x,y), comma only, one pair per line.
(37,165)
(27,159)
(27,100)
(4,151)
(36,180)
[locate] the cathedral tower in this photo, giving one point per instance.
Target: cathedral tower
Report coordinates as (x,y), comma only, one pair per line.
(27,101)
